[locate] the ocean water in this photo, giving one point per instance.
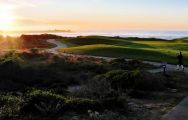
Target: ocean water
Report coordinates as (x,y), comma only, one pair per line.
(168,35)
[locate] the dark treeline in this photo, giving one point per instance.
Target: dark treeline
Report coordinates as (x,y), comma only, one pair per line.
(42,36)
(37,41)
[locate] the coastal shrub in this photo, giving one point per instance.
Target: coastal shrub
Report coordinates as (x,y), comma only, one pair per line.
(34,55)
(34,51)
(119,63)
(36,97)
(16,75)
(39,37)
(123,63)
(95,68)
(10,69)
(120,79)
(150,82)
(106,115)
(10,62)
(82,104)
(9,106)
(102,91)
(95,89)
(119,102)
(123,79)
(68,64)
(40,101)
(38,41)
(135,64)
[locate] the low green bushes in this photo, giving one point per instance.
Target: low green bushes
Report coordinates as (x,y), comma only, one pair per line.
(42,102)
(122,79)
(102,85)
(9,106)
(19,73)
(123,63)
(46,102)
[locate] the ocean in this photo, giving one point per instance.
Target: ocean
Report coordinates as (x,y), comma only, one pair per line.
(168,35)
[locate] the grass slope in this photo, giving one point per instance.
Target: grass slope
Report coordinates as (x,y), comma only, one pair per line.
(135,48)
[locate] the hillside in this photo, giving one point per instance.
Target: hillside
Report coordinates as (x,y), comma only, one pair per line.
(134,48)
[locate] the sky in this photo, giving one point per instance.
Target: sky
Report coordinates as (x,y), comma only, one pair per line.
(94,15)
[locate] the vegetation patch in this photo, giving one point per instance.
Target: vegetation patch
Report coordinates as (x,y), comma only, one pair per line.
(134,48)
(36,85)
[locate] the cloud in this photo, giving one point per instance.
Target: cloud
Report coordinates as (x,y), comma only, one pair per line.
(34,22)
(25,21)
(14,4)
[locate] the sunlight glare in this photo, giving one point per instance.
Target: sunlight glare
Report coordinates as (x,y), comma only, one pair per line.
(6,19)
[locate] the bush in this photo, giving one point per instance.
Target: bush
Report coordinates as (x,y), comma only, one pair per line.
(122,63)
(10,69)
(58,73)
(34,51)
(112,103)
(11,61)
(37,98)
(95,89)
(150,82)
(46,102)
(9,106)
(82,104)
(41,102)
(135,64)
(122,80)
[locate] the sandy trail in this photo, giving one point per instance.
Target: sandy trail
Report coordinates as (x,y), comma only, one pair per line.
(58,46)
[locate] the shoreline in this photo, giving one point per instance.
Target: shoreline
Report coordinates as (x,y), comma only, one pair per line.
(148,34)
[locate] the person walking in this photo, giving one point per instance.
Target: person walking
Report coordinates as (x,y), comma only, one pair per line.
(180,61)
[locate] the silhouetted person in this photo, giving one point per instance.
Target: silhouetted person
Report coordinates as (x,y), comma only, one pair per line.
(180,61)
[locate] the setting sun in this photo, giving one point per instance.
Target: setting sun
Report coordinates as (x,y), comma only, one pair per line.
(6,19)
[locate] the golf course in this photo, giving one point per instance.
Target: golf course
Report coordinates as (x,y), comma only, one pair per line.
(150,49)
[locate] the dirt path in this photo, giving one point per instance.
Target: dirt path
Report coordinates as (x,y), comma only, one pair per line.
(169,67)
(59,45)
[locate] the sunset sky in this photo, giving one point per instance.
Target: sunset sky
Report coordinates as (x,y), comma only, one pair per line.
(93,15)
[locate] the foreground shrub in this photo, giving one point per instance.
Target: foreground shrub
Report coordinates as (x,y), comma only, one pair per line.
(46,102)
(9,106)
(95,89)
(122,80)
(151,82)
(106,115)
(37,102)
(10,63)
(123,63)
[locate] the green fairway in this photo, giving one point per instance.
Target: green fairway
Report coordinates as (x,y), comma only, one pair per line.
(133,48)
